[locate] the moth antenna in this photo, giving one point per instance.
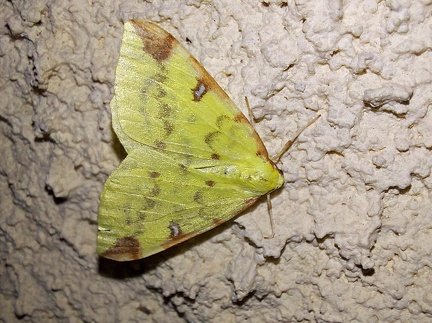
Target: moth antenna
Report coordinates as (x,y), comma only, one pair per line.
(276,159)
(269,210)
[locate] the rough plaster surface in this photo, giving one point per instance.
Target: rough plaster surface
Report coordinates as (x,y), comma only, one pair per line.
(353,224)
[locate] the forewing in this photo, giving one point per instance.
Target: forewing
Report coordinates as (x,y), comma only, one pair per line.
(165,99)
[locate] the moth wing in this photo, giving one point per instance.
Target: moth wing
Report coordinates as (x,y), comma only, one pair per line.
(165,99)
(141,213)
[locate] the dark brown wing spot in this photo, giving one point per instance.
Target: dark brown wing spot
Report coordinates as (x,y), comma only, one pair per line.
(162,76)
(155,190)
(148,203)
(161,92)
(142,215)
(127,248)
(210,183)
(154,174)
(156,41)
(164,110)
(160,144)
(198,197)
(215,156)
(240,118)
(210,137)
(183,168)
(168,127)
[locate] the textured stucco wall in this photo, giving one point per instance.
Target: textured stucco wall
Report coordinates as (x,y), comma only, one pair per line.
(353,235)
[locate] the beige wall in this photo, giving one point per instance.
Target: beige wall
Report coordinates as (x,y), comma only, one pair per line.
(352,224)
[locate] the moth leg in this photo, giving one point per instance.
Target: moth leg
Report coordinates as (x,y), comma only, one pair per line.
(269,210)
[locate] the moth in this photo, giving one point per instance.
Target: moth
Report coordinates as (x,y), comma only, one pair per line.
(193,159)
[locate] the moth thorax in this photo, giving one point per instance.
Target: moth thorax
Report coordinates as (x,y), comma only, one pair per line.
(260,177)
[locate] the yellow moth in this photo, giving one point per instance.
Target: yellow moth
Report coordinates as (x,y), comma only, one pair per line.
(194,161)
